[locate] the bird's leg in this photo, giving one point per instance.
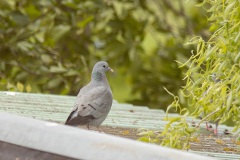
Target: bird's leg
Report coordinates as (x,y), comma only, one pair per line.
(207,126)
(99,130)
(88,127)
(216,130)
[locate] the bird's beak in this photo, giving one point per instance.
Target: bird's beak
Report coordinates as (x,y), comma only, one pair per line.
(110,69)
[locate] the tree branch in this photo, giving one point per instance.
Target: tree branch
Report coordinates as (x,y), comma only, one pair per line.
(207,117)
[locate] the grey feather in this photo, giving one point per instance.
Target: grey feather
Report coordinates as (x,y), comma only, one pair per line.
(94,100)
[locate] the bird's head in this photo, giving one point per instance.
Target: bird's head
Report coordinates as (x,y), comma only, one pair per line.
(102,66)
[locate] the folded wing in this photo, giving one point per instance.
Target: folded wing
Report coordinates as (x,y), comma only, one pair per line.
(91,104)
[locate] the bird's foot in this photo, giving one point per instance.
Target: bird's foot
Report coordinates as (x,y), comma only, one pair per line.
(208,127)
(214,131)
(97,129)
(100,131)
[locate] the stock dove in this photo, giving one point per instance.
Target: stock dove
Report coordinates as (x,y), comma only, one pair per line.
(94,100)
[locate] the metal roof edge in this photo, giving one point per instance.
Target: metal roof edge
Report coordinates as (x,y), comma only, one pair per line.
(81,144)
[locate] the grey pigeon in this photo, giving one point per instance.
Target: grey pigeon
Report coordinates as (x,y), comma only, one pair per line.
(94,100)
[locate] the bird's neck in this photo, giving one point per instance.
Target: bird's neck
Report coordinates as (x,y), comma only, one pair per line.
(98,76)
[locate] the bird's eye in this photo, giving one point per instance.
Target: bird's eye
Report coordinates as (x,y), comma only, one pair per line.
(104,66)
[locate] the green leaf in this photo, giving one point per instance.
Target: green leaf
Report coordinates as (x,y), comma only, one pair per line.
(229,100)
(118,8)
(55,82)
(24,46)
(228,9)
(28,88)
(7,4)
(71,72)
(57,69)
(201,4)
(19,18)
(175,119)
(59,31)
(83,23)
(46,58)
(144,139)
(20,87)
(191,130)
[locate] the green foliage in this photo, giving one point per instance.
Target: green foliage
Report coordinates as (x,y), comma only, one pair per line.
(176,134)
(51,45)
(212,79)
(213,75)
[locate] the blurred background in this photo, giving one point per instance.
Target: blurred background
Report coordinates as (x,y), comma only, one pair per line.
(50,46)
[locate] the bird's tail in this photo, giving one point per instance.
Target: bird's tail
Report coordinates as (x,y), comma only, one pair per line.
(78,120)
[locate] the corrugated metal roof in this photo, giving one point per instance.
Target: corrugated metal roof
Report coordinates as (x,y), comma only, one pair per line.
(56,108)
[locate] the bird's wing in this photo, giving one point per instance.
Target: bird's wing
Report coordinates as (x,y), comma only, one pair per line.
(96,102)
(91,104)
